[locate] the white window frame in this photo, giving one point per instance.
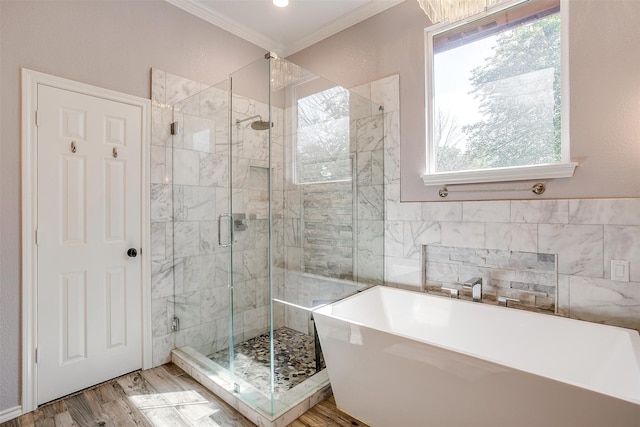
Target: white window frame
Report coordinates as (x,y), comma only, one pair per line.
(564,169)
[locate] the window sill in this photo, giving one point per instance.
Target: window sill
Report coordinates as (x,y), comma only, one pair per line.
(516,173)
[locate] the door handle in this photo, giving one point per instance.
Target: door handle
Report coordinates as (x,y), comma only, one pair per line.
(132,253)
(225,245)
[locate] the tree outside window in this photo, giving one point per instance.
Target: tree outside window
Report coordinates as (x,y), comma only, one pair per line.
(496,93)
(322,137)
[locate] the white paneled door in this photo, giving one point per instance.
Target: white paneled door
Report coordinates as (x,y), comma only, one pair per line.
(89,321)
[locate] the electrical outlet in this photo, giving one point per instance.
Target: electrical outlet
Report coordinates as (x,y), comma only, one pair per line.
(619,270)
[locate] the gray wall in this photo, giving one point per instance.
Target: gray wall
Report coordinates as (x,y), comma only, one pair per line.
(112,44)
(603,63)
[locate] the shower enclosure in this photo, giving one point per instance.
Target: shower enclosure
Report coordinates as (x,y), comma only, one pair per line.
(277,209)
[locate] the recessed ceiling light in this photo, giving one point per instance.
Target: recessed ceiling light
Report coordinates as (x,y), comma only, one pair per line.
(281,3)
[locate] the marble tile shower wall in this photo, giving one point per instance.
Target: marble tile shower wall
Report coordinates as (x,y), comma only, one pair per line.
(584,234)
(167,89)
(375,143)
(327,229)
(318,233)
(335,229)
(250,196)
(189,191)
(367,130)
(331,223)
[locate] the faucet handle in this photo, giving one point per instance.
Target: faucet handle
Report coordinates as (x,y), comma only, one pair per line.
(453,293)
(503,301)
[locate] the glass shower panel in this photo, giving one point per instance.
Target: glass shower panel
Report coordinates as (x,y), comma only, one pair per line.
(200,164)
(251,208)
(333,204)
(334,194)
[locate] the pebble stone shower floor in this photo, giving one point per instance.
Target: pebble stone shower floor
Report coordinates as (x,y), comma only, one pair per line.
(294,359)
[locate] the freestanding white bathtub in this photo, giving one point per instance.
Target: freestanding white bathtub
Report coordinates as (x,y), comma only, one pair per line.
(405,359)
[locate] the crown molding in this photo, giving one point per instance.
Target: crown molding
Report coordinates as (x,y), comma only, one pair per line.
(345,21)
(196,8)
(199,9)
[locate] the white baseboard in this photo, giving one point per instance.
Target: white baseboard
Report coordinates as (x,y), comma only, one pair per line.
(11,413)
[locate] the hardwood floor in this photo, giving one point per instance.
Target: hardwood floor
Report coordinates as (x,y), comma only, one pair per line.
(162,396)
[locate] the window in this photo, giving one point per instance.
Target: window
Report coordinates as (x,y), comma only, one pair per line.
(322,137)
(494,97)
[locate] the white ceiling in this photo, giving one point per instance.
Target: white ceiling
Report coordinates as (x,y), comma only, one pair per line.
(284,30)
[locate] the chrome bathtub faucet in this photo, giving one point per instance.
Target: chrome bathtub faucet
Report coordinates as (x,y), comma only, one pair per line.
(503,301)
(475,284)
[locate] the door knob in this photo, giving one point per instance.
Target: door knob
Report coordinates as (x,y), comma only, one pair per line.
(132,252)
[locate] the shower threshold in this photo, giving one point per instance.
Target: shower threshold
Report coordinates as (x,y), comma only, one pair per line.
(252,402)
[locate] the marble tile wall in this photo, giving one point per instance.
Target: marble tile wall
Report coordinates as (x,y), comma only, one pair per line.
(327,229)
(585,235)
(529,277)
(372,113)
(335,229)
(167,90)
(343,220)
(250,178)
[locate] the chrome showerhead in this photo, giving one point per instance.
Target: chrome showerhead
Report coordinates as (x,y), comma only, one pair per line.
(260,125)
(257,124)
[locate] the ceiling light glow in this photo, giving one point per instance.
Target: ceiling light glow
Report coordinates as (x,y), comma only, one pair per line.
(281,3)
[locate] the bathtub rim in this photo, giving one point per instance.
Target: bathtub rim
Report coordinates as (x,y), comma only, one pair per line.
(325,310)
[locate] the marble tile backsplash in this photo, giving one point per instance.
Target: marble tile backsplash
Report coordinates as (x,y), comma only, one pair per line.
(584,251)
(529,277)
(584,235)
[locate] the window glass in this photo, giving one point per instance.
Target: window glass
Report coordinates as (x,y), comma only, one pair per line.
(495,96)
(322,137)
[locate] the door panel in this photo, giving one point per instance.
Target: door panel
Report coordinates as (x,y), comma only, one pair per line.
(73,312)
(115,203)
(89,290)
(116,300)
(72,200)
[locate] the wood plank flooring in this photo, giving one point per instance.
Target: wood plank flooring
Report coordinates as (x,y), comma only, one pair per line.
(159,397)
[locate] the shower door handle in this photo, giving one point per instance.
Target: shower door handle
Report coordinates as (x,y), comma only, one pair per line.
(225,245)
